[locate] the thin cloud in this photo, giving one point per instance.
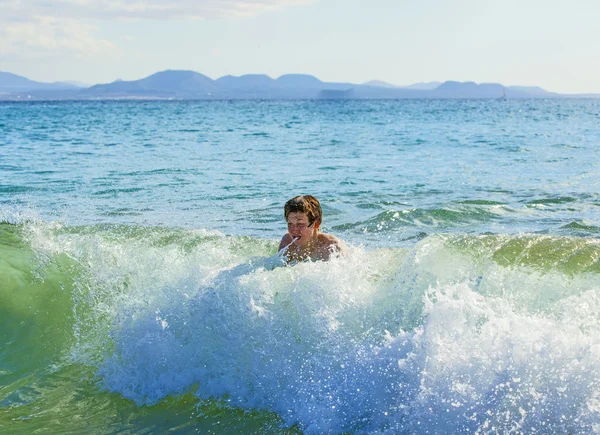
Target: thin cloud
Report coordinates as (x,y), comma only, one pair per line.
(47,36)
(35,28)
(15,10)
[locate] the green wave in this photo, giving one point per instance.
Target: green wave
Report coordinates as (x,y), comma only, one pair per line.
(69,401)
(36,306)
(569,255)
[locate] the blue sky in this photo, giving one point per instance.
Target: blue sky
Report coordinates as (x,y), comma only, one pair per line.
(553,44)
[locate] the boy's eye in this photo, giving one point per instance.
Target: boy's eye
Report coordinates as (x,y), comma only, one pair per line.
(300,225)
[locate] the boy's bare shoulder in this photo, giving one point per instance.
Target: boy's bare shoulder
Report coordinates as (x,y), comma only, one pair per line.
(329,239)
(330,243)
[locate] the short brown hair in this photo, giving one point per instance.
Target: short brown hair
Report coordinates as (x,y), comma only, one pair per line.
(306,204)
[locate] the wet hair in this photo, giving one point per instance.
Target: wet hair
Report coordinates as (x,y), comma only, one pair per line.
(307,204)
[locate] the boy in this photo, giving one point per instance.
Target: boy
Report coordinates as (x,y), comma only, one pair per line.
(304,240)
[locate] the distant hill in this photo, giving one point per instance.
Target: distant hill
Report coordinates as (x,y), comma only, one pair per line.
(531,90)
(164,84)
(10,79)
(300,81)
(10,83)
(415,86)
(191,85)
(246,86)
(452,89)
(380,84)
(424,86)
(246,81)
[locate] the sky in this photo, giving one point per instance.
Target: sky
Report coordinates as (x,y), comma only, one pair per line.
(554,44)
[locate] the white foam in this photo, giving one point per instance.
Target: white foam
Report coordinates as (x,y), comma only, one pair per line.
(375,342)
(303,342)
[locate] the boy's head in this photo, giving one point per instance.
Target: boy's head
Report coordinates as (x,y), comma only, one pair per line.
(307,204)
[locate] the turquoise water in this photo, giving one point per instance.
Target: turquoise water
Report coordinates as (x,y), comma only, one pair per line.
(140,291)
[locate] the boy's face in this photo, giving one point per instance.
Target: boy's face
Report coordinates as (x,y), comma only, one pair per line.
(299,226)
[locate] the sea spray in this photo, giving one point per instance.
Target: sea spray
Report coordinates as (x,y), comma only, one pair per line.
(460,334)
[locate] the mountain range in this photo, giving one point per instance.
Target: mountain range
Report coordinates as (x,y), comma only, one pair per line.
(190,85)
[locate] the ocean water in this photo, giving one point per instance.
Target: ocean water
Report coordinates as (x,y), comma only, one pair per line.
(140,290)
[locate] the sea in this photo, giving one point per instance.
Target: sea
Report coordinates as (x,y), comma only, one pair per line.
(141,291)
